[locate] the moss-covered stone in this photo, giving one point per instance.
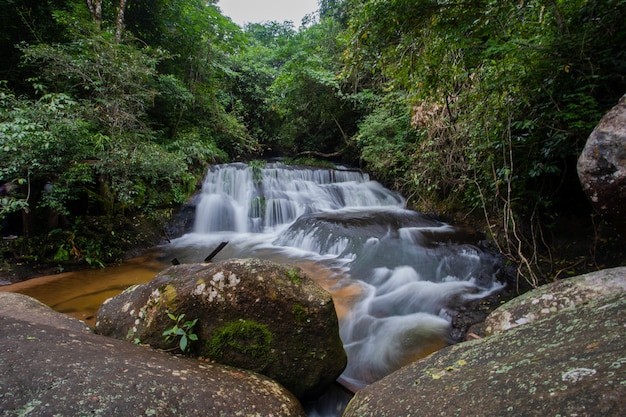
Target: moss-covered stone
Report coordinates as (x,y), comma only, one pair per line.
(251,313)
(294,276)
(54,365)
(299,314)
(239,340)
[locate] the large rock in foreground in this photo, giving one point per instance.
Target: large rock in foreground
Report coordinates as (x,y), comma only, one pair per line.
(251,314)
(553,298)
(53,365)
(602,166)
(570,362)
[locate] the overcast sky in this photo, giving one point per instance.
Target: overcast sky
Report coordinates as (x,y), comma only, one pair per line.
(254,11)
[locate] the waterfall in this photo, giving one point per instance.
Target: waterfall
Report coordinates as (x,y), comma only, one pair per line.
(397,276)
(239,198)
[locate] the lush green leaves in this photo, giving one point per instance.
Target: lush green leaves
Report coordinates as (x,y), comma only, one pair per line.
(501,78)
(307,93)
(115,127)
(183,331)
(503,96)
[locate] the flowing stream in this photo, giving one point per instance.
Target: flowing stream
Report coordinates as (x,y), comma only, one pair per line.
(397,277)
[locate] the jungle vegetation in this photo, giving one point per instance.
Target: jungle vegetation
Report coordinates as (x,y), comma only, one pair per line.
(111,110)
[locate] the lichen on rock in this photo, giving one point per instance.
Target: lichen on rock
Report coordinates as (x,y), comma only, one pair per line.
(568,362)
(54,365)
(252,314)
(555,297)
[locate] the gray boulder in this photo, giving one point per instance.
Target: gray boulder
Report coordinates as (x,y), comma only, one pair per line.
(569,362)
(552,298)
(251,314)
(602,166)
(53,365)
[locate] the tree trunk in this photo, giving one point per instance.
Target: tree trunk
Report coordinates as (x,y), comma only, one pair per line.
(95,8)
(558,15)
(119,21)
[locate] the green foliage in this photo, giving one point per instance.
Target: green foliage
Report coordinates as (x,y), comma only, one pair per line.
(252,70)
(183,331)
(72,245)
(299,314)
(105,132)
(310,162)
(502,95)
(386,139)
(114,79)
(197,148)
(42,141)
(307,94)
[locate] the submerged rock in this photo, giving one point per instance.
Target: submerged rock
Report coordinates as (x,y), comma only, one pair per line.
(569,362)
(53,365)
(251,314)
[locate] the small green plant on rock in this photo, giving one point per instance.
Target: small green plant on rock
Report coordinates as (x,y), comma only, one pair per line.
(294,276)
(184,331)
(257,170)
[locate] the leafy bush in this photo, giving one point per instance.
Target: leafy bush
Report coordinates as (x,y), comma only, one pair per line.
(503,97)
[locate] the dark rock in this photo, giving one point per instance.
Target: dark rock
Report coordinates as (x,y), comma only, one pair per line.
(53,365)
(252,314)
(182,221)
(602,166)
(571,362)
(361,225)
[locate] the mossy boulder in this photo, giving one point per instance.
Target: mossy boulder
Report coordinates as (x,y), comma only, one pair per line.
(568,362)
(54,365)
(251,314)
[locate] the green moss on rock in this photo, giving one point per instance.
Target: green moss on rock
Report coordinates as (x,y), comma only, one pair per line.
(294,277)
(241,341)
(299,314)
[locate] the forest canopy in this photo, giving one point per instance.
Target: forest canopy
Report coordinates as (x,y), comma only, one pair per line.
(111,110)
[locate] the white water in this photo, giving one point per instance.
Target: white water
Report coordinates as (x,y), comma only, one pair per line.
(236,198)
(395,275)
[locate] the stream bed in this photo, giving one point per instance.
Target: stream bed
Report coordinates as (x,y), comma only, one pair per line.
(397,276)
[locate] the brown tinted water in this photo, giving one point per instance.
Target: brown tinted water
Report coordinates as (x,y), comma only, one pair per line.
(80,293)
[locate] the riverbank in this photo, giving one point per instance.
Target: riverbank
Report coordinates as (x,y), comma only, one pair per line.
(22,259)
(24,272)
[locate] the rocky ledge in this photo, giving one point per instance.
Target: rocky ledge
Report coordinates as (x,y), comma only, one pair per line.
(55,365)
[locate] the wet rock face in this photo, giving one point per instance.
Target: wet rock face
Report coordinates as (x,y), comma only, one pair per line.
(54,365)
(251,314)
(182,221)
(568,362)
(602,166)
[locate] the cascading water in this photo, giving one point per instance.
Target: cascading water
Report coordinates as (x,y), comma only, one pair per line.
(397,276)
(238,198)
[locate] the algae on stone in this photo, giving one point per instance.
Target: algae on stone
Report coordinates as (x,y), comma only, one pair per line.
(241,338)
